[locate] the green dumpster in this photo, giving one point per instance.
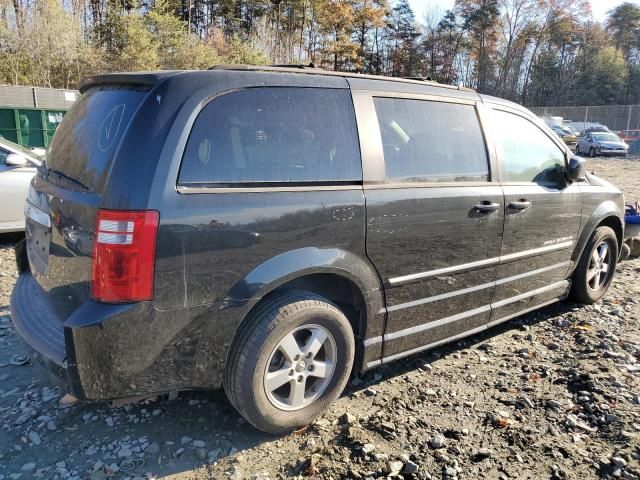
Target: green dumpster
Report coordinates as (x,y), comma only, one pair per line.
(30,127)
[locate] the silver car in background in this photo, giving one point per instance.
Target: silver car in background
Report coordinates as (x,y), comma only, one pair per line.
(17,167)
(601,144)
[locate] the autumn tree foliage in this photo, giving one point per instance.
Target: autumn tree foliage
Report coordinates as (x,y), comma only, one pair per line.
(537,52)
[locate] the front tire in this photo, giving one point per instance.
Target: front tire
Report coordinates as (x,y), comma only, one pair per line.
(592,278)
(291,359)
(592,152)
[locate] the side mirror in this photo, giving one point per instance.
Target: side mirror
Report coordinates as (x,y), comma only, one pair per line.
(15,160)
(577,170)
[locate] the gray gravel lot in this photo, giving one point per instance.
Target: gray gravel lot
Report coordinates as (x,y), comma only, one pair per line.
(553,394)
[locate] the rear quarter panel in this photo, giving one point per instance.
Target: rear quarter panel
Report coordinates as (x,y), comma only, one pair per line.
(225,251)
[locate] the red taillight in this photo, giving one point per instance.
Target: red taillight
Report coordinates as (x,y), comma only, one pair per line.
(124,253)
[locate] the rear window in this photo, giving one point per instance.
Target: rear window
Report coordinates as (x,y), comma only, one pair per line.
(84,144)
(264,136)
(427,141)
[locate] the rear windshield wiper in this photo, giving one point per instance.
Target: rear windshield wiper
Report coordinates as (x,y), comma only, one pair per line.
(61,179)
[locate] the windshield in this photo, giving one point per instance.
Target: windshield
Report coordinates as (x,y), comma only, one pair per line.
(84,145)
(606,137)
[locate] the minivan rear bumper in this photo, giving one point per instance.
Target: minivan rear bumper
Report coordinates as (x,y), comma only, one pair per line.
(107,351)
(43,332)
(98,351)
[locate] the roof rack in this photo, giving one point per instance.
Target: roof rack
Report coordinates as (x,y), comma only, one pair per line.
(421,79)
(319,71)
(296,65)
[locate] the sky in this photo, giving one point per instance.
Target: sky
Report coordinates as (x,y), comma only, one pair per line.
(599,7)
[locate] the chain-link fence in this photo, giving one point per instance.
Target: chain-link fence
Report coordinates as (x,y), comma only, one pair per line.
(616,117)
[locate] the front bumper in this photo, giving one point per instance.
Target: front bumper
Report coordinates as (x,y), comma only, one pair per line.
(611,153)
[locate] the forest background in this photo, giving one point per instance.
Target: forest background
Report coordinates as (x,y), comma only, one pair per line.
(535,52)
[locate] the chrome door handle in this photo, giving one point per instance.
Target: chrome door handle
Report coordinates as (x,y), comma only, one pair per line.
(486,207)
(520,205)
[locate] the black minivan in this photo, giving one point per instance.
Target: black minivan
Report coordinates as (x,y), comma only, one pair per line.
(273,229)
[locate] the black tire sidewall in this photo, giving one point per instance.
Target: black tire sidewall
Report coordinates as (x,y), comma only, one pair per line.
(581,291)
(259,410)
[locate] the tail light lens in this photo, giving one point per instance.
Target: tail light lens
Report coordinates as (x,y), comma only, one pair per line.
(124,251)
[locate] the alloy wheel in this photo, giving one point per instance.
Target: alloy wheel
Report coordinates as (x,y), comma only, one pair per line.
(300,367)
(599,269)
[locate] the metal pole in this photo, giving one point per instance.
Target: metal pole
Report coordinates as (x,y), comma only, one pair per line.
(629,117)
(586,115)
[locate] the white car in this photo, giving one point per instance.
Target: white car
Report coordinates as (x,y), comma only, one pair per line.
(17,167)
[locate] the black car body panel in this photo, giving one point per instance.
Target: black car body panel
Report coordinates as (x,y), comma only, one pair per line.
(402,220)
(414,264)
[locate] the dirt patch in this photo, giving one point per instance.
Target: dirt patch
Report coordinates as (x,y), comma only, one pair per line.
(553,394)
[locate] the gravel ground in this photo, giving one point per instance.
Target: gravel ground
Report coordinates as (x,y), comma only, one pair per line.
(623,173)
(553,394)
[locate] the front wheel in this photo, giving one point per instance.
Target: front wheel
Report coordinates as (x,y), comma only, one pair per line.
(592,278)
(592,152)
(290,361)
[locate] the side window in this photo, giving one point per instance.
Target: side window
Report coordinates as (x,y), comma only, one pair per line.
(528,155)
(3,156)
(274,135)
(427,141)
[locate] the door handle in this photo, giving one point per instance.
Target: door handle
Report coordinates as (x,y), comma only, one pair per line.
(486,208)
(519,205)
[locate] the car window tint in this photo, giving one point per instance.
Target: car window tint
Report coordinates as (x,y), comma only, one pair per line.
(86,141)
(274,135)
(528,155)
(426,141)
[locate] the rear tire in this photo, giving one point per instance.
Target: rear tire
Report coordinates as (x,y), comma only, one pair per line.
(594,273)
(290,361)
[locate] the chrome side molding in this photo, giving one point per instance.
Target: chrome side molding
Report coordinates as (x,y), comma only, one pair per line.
(480,263)
(469,313)
(468,333)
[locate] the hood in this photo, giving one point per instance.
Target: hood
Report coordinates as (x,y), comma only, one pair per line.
(600,182)
(613,144)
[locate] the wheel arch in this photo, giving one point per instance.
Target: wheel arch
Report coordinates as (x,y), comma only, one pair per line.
(345,278)
(616,224)
(606,214)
